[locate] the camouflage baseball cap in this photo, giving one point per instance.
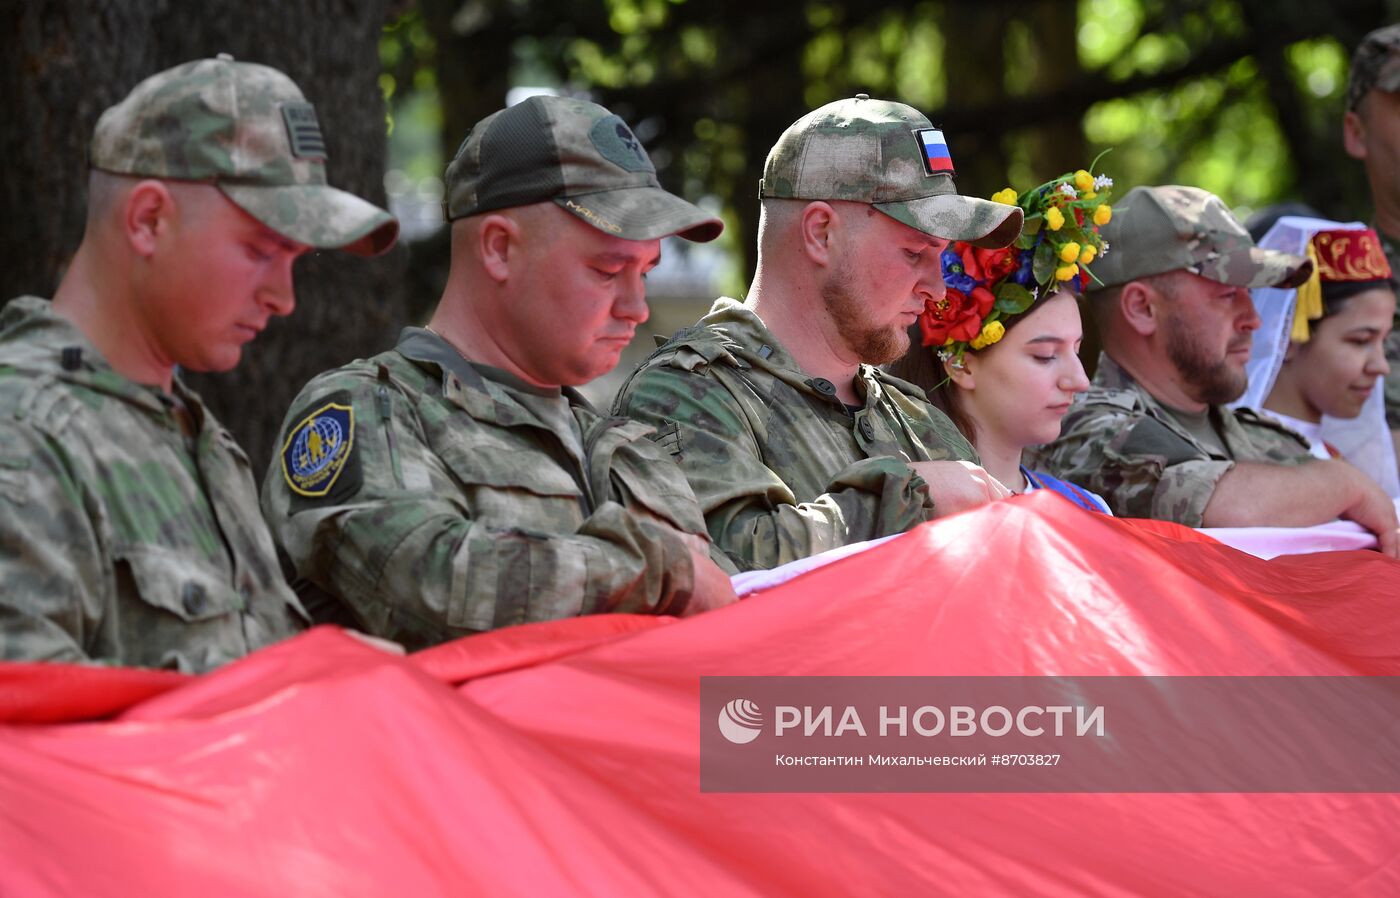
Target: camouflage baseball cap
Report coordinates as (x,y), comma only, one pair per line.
(577,154)
(246,129)
(890,156)
(1159,229)
(1375,65)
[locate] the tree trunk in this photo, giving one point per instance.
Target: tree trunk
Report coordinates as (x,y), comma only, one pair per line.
(77,57)
(973,61)
(65,63)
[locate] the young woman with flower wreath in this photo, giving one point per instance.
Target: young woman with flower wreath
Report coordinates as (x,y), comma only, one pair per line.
(999,352)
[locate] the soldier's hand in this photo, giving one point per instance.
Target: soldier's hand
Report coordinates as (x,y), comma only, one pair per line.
(958,485)
(1375,511)
(713,588)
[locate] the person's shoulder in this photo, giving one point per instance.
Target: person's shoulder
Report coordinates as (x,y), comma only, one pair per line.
(1248,417)
(355,379)
(1280,441)
(696,349)
(1105,399)
(27,362)
(37,392)
(898,385)
(693,361)
(1103,408)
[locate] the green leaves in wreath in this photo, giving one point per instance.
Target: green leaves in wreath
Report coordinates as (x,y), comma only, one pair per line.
(1012,298)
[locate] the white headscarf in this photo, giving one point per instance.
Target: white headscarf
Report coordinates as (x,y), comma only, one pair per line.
(1364,440)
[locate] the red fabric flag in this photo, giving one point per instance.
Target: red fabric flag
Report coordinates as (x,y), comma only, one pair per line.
(562,758)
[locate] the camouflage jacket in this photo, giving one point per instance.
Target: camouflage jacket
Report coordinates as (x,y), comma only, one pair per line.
(1123,444)
(431,501)
(1392,341)
(781,467)
(122,539)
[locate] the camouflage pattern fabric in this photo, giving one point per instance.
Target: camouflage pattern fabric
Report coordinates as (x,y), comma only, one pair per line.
(458,507)
(577,154)
(122,539)
(248,130)
(873,151)
(1159,229)
(1123,444)
(781,467)
(1375,65)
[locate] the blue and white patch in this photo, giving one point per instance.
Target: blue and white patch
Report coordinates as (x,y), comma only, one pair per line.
(318,449)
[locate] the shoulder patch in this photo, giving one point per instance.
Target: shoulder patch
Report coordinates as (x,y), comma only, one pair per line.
(1151,438)
(318,449)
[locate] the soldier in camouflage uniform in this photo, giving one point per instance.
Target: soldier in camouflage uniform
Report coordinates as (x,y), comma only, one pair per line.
(792,440)
(1153,436)
(1371,131)
(456,483)
(129,524)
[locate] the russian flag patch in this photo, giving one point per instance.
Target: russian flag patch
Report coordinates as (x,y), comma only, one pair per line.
(933,149)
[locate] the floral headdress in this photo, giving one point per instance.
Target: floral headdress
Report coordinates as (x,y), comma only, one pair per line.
(986,287)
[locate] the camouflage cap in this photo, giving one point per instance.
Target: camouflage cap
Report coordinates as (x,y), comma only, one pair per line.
(1375,65)
(577,154)
(890,156)
(1159,229)
(246,129)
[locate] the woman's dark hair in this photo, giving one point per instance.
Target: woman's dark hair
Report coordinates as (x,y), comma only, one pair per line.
(1336,293)
(921,367)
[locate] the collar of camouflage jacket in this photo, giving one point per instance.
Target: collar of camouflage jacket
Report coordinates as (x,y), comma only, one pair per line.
(747,340)
(485,392)
(1109,376)
(37,339)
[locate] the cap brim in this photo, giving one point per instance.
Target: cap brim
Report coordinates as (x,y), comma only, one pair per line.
(976,221)
(643,213)
(318,215)
(1277,269)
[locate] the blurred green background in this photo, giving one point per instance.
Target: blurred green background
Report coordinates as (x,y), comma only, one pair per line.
(1242,97)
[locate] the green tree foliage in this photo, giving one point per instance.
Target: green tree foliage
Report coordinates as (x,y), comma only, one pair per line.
(1242,97)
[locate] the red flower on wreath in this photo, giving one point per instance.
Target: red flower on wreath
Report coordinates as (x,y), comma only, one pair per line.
(956,316)
(987,265)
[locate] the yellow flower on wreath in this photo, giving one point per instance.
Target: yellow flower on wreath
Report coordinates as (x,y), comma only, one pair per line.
(1054,219)
(1083,181)
(1065,272)
(992,331)
(1069,252)
(1006,196)
(1102,215)
(1088,254)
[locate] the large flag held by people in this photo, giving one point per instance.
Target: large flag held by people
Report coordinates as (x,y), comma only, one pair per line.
(563,758)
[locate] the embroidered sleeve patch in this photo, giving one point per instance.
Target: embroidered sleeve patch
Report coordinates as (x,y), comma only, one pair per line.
(318,448)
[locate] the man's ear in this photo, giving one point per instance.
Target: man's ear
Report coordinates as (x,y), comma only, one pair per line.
(148,215)
(1139,304)
(498,245)
(818,225)
(1354,135)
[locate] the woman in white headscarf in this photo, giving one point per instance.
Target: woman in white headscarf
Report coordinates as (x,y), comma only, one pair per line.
(1318,356)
